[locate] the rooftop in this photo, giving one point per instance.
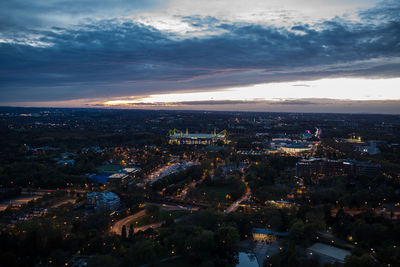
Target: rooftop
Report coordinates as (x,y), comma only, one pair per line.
(266,231)
(295,146)
(329,251)
(197,135)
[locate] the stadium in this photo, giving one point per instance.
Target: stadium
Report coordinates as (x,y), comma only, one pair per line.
(180,138)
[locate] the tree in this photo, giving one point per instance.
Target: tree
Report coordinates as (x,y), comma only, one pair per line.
(123,232)
(131,232)
(227,236)
(103,260)
(359,261)
(296,231)
(153,210)
(146,252)
(203,246)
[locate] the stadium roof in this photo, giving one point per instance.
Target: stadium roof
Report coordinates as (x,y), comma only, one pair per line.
(199,135)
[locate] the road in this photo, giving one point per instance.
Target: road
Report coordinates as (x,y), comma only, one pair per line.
(144,228)
(171,207)
(117,227)
(33,195)
(153,225)
(235,205)
(65,201)
(16,201)
(246,196)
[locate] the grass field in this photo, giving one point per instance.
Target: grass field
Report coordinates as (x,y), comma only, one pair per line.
(109,168)
(180,262)
(213,193)
(164,215)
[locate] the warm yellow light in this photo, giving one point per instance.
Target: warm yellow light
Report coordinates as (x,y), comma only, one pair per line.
(339,88)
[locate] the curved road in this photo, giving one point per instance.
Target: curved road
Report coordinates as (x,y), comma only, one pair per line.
(235,204)
(246,196)
(117,227)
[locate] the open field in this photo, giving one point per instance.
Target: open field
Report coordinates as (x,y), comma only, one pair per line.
(109,168)
(164,215)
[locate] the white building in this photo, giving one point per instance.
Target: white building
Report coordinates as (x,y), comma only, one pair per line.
(103,200)
(370,149)
(327,254)
(296,148)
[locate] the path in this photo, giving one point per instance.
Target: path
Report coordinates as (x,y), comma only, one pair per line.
(16,201)
(117,227)
(246,196)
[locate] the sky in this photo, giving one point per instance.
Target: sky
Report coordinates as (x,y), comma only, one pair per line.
(276,55)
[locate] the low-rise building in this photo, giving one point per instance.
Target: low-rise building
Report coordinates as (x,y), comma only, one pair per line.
(117,177)
(279,203)
(327,254)
(371,148)
(246,204)
(103,200)
(267,235)
(314,167)
(66,162)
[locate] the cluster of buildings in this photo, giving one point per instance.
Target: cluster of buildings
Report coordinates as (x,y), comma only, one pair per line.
(279,204)
(66,159)
(116,176)
(252,152)
(324,253)
(314,167)
(289,146)
(370,147)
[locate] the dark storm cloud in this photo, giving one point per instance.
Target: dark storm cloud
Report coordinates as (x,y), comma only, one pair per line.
(385,10)
(119,57)
(26,14)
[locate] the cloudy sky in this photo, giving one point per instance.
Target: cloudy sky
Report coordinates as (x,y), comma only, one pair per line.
(276,55)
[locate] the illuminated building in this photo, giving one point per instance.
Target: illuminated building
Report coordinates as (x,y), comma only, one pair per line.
(180,138)
(267,235)
(370,149)
(295,148)
(354,139)
(326,167)
(279,204)
(246,204)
